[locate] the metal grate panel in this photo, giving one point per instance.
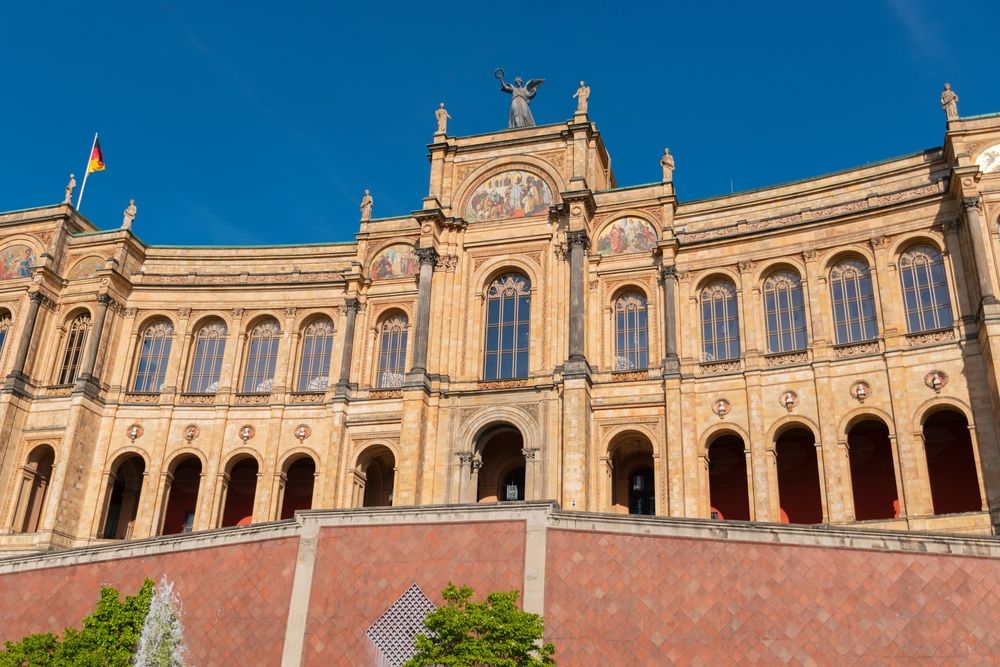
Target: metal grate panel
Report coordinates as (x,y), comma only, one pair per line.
(393,633)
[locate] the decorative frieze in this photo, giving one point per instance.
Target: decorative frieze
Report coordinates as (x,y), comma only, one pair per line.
(378,394)
(629,376)
(928,337)
(59,390)
(306,397)
(253,399)
(786,359)
(196,399)
(717,367)
(503,384)
(141,398)
(857,349)
(291,277)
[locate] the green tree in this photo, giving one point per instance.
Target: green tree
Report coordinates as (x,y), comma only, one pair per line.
(493,633)
(108,638)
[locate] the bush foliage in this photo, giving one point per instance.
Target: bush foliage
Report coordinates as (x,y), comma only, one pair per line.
(108,638)
(493,633)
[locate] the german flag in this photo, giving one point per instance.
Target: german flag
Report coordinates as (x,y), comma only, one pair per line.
(96,157)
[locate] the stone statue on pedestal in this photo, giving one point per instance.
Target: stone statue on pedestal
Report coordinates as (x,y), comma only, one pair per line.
(521,95)
(667,162)
(367,204)
(582,94)
(443,117)
(949,102)
(68,197)
(129,215)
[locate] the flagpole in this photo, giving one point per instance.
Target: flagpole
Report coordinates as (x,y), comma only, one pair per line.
(86,172)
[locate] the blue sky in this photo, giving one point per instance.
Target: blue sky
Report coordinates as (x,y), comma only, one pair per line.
(254,122)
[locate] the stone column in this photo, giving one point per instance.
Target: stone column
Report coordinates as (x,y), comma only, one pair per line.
(93,342)
(668,277)
(23,345)
(578,244)
(352,306)
(427,257)
(979,240)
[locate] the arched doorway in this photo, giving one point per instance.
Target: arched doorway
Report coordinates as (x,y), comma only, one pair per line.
(502,474)
(182,496)
(34,491)
(798,477)
(123,500)
(299,479)
(728,491)
(633,486)
(951,463)
(873,476)
(240,489)
(374,478)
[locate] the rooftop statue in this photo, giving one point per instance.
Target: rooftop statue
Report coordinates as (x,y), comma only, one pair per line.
(68,198)
(520,96)
(949,102)
(667,162)
(582,94)
(367,204)
(443,117)
(128,215)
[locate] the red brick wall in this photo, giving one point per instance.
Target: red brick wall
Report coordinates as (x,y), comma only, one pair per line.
(360,571)
(235,598)
(633,600)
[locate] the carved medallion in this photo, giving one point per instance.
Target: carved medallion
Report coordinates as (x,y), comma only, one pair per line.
(191,432)
(789,399)
(302,432)
(135,431)
(247,432)
(721,407)
(936,380)
(861,390)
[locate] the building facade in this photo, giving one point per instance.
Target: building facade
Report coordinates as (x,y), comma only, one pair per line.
(824,351)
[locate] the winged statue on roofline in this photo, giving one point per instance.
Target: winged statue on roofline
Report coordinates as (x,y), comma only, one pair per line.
(521,95)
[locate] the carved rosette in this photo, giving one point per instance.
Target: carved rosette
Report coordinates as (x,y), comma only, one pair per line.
(721,407)
(936,380)
(191,431)
(860,391)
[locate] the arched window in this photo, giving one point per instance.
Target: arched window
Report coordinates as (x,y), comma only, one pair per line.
(853,302)
(631,339)
(206,364)
(154,353)
(5,323)
(262,354)
(317,345)
(925,289)
(784,312)
(75,342)
(720,322)
(508,316)
(392,352)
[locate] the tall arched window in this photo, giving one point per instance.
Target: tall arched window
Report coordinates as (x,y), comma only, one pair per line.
(854,316)
(925,289)
(393,337)
(720,322)
(785,312)
(154,354)
(631,338)
(75,342)
(317,345)
(262,354)
(206,363)
(508,316)
(5,323)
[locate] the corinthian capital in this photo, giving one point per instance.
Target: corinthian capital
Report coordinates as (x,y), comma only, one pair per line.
(426,255)
(970,203)
(352,305)
(579,238)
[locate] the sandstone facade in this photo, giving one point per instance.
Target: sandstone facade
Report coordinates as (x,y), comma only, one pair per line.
(823,351)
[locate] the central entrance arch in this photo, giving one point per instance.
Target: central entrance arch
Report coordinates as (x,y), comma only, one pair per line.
(500,454)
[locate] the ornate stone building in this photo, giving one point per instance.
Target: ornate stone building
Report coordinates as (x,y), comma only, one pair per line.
(824,351)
